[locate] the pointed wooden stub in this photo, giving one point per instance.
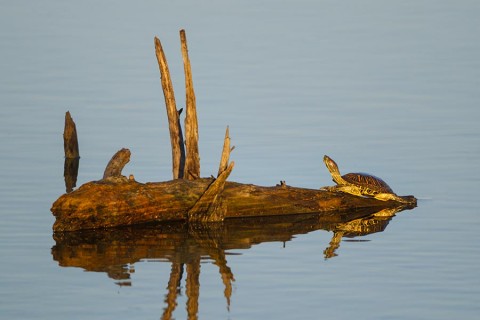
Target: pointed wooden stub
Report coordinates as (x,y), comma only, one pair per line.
(225,153)
(70,140)
(115,165)
(176,138)
(210,207)
(192,161)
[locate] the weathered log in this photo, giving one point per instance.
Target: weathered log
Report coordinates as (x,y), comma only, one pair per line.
(192,160)
(70,140)
(117,201)
(102,204)
(176,138)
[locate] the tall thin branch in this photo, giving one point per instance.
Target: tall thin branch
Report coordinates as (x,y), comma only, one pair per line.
(176,139)
(192,161)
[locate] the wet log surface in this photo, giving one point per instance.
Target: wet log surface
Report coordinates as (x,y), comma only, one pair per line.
(105,203)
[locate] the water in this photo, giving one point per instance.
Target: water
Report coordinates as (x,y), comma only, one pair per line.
(382,87)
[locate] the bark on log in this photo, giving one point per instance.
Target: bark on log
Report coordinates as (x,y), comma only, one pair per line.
(192,160)
(176,138)
(102,204)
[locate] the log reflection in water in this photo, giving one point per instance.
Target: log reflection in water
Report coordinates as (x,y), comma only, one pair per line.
(114,251)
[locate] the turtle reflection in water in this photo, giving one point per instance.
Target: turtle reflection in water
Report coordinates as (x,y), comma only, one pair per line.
(362,184)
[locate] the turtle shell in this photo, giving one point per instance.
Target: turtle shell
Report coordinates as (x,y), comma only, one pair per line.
(367,182)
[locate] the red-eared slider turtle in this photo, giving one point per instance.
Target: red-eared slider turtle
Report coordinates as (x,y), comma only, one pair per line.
(361,184)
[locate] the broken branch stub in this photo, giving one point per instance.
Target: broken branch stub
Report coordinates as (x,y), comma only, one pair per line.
(192,161)
(176,138)
(210,207)
(115,165)
(225,153)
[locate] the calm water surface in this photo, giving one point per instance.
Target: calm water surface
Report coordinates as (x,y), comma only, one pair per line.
(390,88)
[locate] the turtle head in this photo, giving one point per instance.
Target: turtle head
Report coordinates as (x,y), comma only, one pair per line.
(331,165)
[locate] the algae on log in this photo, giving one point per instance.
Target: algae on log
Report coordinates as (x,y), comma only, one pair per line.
(103,204)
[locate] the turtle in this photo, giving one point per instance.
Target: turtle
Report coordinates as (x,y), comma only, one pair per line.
(360,184)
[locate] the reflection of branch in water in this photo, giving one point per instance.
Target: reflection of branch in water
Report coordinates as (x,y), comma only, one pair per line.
(173,290)
(210,237)
(193,288)
(376,222)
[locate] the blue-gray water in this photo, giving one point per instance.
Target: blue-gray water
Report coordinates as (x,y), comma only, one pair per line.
(387,87)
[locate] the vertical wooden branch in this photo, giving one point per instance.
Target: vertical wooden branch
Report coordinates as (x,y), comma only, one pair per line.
(192,161)
(70,141)
(176,139)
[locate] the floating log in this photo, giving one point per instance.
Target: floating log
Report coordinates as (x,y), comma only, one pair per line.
(117,201)
(103,204)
